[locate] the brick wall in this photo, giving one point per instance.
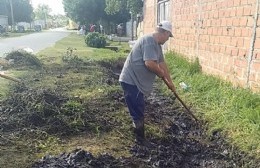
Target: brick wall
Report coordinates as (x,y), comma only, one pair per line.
(218,32)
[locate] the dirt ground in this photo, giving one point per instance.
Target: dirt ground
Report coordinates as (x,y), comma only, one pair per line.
(184,144)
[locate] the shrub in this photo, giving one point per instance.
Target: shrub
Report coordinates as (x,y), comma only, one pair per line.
(95,39)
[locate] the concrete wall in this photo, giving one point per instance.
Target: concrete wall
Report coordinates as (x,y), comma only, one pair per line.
(220,33)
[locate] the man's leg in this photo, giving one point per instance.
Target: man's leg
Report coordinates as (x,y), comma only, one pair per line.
(135,103)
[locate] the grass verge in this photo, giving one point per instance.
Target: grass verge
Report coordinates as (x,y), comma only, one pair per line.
(232,110)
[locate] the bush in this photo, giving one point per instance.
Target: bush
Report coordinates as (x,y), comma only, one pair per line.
(96,40)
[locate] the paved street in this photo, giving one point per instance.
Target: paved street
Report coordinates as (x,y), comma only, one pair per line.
(35,41)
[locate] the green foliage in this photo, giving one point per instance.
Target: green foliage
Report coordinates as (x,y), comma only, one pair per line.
(235,111)
(93,12)
(42,12)
(71,57)
(85,11)
(195,67)
(115,6)
(22,10)
(72,107)
(95,40)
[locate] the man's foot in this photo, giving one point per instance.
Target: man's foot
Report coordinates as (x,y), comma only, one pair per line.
(143,142)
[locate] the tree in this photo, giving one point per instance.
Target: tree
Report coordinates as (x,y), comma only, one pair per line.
(84,10)
(115,6)
(42,12)
(3,7)
(22,10)
(93,12)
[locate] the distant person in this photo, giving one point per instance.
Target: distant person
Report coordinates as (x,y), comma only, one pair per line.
(92,28)
(81,31)
(143,64)
(120,29)
(101,28)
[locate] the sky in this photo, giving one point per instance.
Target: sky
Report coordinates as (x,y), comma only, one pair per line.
(55,5)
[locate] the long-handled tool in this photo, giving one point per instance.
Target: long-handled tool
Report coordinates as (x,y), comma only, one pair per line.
(10,78)
(184,105)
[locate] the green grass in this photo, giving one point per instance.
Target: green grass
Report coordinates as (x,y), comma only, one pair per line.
(234,111)
(87,85)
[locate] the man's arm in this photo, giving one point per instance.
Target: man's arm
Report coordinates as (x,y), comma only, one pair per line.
(167,77)
(161,70)
(155,68)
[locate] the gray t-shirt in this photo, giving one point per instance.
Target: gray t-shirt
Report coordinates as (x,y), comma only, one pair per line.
(134,71)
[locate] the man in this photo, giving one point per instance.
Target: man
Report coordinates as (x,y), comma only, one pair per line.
(142,65)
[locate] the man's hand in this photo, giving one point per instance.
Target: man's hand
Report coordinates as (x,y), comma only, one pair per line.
(169,84)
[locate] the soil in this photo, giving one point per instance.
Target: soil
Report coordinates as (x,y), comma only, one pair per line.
(185,144)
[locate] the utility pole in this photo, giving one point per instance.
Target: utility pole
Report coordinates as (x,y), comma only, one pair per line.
(132,26)
(12,13)
(45,19)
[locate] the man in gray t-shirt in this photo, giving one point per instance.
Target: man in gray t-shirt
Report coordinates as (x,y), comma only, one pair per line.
(142,65)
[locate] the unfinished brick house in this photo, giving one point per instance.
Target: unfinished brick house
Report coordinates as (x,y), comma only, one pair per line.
(223,34)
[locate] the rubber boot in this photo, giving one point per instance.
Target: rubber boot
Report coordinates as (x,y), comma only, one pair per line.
(139,132)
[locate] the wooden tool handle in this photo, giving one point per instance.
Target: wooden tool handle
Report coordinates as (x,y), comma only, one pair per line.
(178,97)
(10,78)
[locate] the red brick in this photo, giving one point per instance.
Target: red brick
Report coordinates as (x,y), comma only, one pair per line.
(233,41)
(252,77)
(257,56)
(241,62)
(216,14)
(258,32)
(235,22)
(231,31)
(250,22)
(234,52)
(223,22)
(244,2)
(242,53)
(225,32)
(230,3)
(220,30)
(247,11)
(223,49)
(228,50)
(257,43)
(245,32)
(227,13)
(216,48)
(225,40)
(239,11)
(243,21)
(247,42)
(256,66)
(240,42)
(216,40)
(238,32)
(221,13)
(229,21)
(237,2)
(232,13)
